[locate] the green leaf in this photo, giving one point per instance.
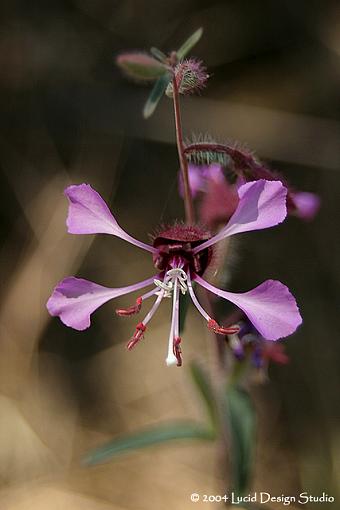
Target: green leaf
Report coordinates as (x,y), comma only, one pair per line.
(189,44)
(149,437)
(141,66)
(203,385)
(158,54)
(241,420)
(156,94)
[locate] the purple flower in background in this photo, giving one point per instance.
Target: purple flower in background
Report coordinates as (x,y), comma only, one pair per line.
(181,254)
(248,341)
(306,204)
(200,176)
(218,198)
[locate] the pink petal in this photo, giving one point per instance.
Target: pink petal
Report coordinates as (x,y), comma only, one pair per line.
(75,299)
(262,204)
(219,203)
(196,180)
(306,204)
(270,307)
(200,177)
(89,214)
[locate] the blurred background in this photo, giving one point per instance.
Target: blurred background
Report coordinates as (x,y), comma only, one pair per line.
(68,116)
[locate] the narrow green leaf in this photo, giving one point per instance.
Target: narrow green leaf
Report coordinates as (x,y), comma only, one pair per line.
(189,44)
(156,94)
(149,437)
(158,54)
(241,420)
(203,385)
(141,66)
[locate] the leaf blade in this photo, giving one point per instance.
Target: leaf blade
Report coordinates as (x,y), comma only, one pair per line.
(206,391)
(241,419)
(149,437)
(140,66)
(189,43)
(155,95)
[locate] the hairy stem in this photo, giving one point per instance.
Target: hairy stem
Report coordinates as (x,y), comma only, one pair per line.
(188,204)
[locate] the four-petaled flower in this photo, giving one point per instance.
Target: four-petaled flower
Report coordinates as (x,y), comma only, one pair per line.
(181,254)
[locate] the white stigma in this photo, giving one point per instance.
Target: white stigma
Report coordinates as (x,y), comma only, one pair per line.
(175,280)
(176,276)
(171,359)
(180,275)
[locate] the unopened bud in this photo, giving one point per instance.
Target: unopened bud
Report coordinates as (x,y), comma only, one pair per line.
(191,77)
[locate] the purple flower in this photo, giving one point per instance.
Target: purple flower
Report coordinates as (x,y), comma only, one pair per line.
(306,204)
(200,176)
(181,254)
(261,351)
(218,198)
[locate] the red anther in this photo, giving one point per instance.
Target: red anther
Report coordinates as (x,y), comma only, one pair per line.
(220,330)
(131,310)
(137,336)
(178,350)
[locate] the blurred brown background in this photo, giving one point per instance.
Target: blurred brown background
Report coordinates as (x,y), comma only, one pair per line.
(67,116)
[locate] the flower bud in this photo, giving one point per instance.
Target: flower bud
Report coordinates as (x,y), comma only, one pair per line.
(191,77)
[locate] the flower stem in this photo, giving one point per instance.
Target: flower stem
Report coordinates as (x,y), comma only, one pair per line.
(188,204)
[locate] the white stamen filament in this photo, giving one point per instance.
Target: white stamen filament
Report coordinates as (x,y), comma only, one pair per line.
(176,321)
(171,358)
(195,300)
(149,294)
(153,309)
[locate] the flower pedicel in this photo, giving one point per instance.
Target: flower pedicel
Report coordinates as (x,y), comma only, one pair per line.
(181,254)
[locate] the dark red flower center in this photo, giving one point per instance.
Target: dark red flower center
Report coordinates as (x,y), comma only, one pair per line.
(176,243)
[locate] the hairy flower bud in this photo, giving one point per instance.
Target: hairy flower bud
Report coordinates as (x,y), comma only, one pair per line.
(191,77)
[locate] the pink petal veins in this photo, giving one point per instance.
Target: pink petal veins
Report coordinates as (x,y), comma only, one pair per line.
(89,214)
(262,205)
(75,299)
(270,307)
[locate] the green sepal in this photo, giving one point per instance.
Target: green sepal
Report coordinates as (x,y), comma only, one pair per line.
(207,157)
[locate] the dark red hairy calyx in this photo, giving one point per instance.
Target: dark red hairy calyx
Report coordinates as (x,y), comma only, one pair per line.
(177,242)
